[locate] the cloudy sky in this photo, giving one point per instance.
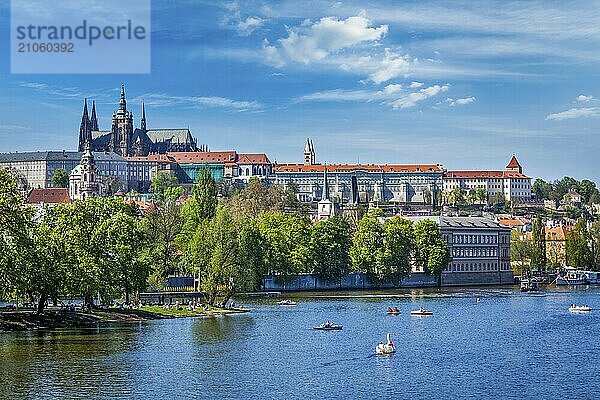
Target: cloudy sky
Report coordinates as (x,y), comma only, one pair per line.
(462,83)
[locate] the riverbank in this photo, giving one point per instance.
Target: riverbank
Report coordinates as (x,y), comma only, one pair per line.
(25,320)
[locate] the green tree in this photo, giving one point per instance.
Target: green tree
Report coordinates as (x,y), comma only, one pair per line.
(125,255)
(165,186)
(164,223)
(201,205)
(330,245)
(542,189)
(398,248)
(577,250)
(214,256)
(15,220)
(367,244)
(251,256)
(472,196)
(538,245)
(44,269)
(482,195)
(60,178)
(431,249)
(287,243)
(520,253)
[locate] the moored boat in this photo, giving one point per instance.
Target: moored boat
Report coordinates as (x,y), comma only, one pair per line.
(387,348)
(592,277)
(530,285)
(421,311)
(572,278)
(328,326)
(286,303)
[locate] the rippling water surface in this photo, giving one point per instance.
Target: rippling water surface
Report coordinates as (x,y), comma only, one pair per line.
(507,345)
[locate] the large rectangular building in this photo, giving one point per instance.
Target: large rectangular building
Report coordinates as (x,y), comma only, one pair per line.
(479,249)
(38,167)
(362,183)
(353,183)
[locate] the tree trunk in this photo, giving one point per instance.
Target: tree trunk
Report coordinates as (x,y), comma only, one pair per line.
(42,303)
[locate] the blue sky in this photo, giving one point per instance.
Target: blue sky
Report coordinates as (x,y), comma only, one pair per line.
(461,83)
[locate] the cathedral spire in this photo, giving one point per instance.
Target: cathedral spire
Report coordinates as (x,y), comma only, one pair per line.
(123,102)
(94,119)
(143,123)
(85,131)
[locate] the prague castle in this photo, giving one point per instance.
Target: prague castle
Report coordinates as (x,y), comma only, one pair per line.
(125,140)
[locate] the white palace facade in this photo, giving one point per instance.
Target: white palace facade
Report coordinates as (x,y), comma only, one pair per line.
(354,183)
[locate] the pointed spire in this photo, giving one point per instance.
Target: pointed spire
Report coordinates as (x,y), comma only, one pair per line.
(85,109)
(143,122)
(85,127)
(94,119)
(123,102)
(325,185)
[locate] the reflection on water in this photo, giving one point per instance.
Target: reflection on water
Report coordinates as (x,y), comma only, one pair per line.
(507,345)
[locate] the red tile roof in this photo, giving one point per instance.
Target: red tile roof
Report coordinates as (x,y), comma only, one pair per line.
(49,196)
(253,159)
(511,223)
(357,167)
(152,158)
(205,157)
(513,163)
(485,174)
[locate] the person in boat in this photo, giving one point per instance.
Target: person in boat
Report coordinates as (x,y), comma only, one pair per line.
(396,310)
(421,309)
(390,309)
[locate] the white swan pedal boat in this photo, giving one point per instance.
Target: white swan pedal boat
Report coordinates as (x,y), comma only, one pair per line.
(576,308)
(286,303)
(328,326)
(421,311)
(387,348)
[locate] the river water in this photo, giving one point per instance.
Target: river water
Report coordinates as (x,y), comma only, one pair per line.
(507,345)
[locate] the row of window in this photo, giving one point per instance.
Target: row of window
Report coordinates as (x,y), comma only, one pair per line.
(474,252)
(478,267)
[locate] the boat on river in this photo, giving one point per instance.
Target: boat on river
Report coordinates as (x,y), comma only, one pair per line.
(393,311)
(529,285)
(387,348)
(571,278)
(328,326)
(421,311)
(592,277)
(575,308)
(286,303)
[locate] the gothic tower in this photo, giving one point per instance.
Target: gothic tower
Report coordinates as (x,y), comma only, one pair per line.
(309,153)
(93,118)
(122,128)
(85,129)
(143,122)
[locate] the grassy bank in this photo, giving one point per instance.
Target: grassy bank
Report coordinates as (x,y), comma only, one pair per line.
(24,320)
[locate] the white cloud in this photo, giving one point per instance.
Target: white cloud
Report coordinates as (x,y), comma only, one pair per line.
(392,88)
(391,66)
(461,102)
(415,85)
(574,113)
(249,25)
(165,100)
(309,43)
(583,98)
(392,95)
(413,98)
